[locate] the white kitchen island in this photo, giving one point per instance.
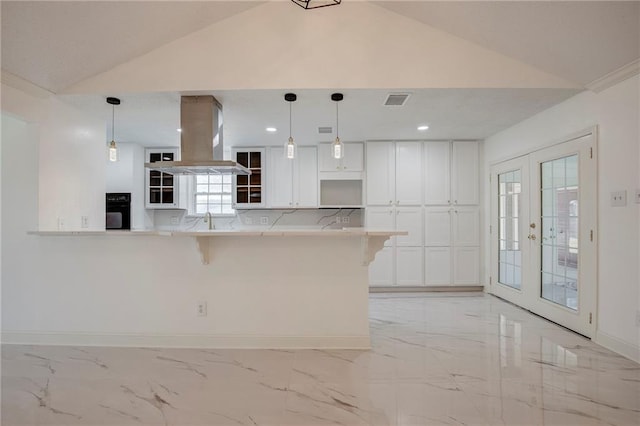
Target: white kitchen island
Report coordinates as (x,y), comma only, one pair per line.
(272,288)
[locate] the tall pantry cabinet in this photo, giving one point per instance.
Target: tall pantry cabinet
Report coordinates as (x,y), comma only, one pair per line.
(394,201)
(431,190)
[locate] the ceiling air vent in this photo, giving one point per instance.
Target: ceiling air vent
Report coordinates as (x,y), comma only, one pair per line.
(396,99)
(325,129)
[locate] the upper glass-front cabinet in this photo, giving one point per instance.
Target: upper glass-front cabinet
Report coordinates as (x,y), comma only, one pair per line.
(248,191)
(161,188)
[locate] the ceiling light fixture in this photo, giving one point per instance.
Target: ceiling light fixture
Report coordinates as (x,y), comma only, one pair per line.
(337,147)
(113,149)
(271,129)
(423,128)
(314,4)
(290,147)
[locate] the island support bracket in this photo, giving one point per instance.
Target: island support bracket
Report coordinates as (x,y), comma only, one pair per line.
(370,246)
(204,246)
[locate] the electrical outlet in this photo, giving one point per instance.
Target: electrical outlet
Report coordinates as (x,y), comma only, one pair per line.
(201,309)
(84,222)
(618,198)
(174,220)
(338,219)
(345,219)
(638,196)
(60,224)
(248,221)
(264,220)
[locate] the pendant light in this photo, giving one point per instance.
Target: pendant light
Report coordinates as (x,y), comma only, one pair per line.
(337,147)
(113,149)
(290,146)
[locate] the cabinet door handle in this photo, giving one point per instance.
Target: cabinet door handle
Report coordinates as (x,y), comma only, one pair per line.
(455,201)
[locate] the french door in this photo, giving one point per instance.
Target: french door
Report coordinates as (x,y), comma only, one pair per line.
(543,232)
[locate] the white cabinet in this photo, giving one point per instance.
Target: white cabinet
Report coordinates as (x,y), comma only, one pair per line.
(394,173)
(381,218)
(466,226)
(409,219)
(437,266)
(451,173)
(466,265)
(409,266)
(429,189)
(352,160)
(452,239)
(464,176)
(437,187)
(408,166)
(163,190)
(437,226)
(402,265)
(293,182)
(381,170)
(305,177)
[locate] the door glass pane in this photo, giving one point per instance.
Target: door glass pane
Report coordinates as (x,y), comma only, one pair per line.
(559,217)
(509,187)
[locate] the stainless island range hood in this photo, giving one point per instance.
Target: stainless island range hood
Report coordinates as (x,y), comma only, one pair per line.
(201,147)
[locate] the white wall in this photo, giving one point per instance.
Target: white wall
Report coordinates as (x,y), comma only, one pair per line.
(19,181)
(72,172)
(616,112)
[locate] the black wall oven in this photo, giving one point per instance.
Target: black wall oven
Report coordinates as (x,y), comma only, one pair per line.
(118,210)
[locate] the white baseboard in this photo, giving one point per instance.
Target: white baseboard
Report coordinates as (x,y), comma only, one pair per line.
(618,346)
(186,340)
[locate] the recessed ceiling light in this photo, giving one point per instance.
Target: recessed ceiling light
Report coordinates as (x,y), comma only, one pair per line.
(179,130)
(423,128)
(271,129)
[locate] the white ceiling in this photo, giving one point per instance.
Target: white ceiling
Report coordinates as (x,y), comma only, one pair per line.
(55,44)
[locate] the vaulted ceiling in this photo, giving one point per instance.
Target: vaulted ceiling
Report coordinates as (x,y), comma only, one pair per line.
(99,48)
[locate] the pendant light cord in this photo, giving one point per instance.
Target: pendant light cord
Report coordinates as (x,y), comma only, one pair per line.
(113,117)
(289,120)
(337,122)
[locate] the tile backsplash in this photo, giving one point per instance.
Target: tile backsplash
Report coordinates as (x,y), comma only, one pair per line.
(333,218)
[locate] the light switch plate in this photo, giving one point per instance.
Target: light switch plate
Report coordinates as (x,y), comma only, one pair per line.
(618,198)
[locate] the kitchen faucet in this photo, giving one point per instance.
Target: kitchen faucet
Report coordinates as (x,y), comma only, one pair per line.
(209,220)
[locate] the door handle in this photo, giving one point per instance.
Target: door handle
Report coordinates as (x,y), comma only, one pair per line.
(531,237)
(532,225)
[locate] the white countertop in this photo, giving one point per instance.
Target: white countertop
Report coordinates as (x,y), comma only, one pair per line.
(246,232)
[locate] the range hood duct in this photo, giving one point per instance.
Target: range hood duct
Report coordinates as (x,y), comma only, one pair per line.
(201,147)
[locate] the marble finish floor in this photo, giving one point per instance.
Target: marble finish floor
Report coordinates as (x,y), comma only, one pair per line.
(466,359)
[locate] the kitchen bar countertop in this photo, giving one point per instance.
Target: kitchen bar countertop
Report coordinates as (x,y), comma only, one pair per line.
(245,232)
